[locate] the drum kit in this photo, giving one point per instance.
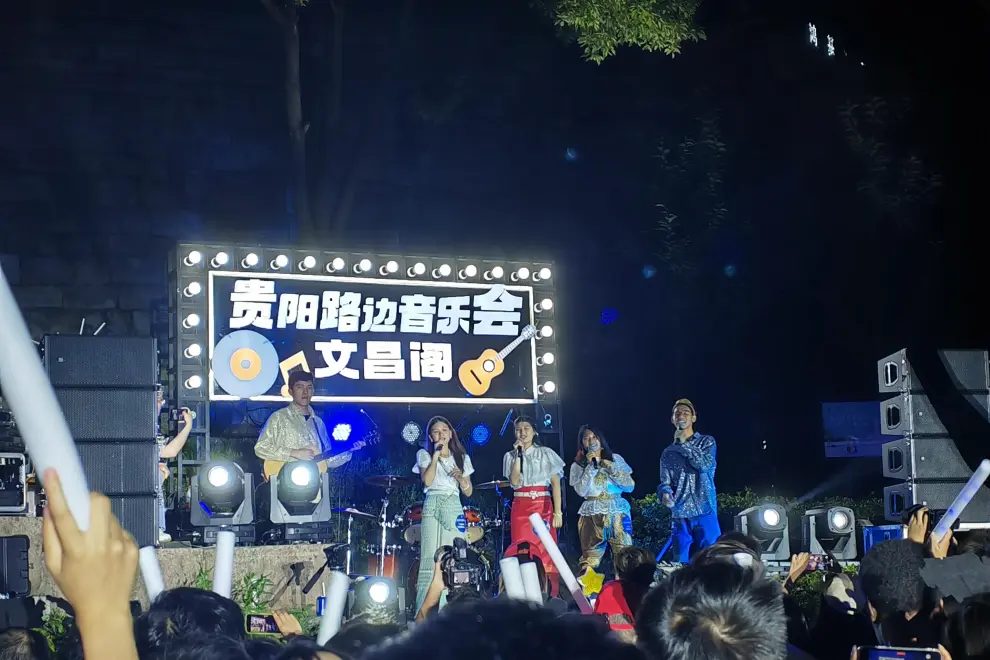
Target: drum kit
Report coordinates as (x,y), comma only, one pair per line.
(401,533)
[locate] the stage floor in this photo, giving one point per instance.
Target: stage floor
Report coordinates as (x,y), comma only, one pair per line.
(180,565)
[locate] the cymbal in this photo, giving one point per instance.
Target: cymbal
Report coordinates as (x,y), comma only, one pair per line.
(386,480)
(492,485)
(354,512)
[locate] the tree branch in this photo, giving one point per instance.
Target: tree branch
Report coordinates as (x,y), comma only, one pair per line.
(274,11)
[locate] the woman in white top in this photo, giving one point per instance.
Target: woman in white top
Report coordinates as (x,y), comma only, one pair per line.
(534,471)
(600,477)
(446,470)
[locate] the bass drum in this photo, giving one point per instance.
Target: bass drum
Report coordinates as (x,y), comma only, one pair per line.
(412,517)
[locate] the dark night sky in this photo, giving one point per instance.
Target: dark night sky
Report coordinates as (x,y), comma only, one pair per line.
(471,108)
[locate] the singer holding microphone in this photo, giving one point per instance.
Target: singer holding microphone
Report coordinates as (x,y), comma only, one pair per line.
(601,477)
(534,471)
(446,470)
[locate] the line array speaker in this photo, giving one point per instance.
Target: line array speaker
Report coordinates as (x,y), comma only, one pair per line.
(120,468)
(138,514)
(87,361)
(125,415)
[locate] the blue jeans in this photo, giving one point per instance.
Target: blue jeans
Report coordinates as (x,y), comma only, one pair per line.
(700,532)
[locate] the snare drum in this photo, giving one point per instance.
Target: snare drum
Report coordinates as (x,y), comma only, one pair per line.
(412,517)
(475,531)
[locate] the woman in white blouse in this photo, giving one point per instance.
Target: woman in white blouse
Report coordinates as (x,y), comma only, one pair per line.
(446,470)
(600,477)
(534,471)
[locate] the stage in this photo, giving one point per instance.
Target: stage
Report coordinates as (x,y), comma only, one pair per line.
(180,565)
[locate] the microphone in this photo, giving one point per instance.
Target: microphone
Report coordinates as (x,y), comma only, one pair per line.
(594,461)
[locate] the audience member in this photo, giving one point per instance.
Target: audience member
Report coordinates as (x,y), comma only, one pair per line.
(184,612)
(967,631)
(21,644)
(619,599)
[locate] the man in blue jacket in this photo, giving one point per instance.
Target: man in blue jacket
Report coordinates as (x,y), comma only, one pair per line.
(687,484)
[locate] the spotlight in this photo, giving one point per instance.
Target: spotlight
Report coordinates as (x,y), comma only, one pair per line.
(389,268)
(468,271)
(480,434)
(194,382)
(190,321)
(443,271)
(336,265)
(193,258)
(281,261)
(362,266)
(416,269)
(546,331)
(341,432)
(545,359)
(193,289)
(411,432)
(193,351)
(221,495)
(549,387)
(376,601)
(309,263)
(521,274)
(830,531)
(495,273)
(250,261)
(300,493)
(544,305)
(767,523)
(220,260)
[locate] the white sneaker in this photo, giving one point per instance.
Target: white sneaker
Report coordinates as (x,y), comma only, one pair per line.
(163,538)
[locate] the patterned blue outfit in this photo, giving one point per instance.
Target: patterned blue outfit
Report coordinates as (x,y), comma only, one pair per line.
(687,474)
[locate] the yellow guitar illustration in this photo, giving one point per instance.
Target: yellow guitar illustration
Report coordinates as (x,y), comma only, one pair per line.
(476,375)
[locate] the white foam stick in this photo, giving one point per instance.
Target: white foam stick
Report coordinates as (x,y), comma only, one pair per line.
(577,593)
(531,582)
(151,572)
(962,499)
(38,415)
(512,578)
(102,325)
(340,584)
(223,564)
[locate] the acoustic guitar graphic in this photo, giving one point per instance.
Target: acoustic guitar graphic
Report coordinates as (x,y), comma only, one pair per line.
(476,375)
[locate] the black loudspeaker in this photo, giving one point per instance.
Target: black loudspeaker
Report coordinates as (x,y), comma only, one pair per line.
(937,496)
(120,468)
(110,414)
(14,557)
(924,459)
(138,514)
(86,361)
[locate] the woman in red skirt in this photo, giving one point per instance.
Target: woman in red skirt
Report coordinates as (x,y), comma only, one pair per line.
(534,472)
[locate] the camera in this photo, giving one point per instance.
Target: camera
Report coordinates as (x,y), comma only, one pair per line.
(459,572)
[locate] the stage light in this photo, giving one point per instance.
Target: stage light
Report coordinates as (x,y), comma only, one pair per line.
(193,258)
(544,305)
(308,263)
(545,359)
(549,387)
(362,266)
(830,531)
(194,382)
(301,476)
(546,331)
(767,523)
(480,434)
(337,265)
(495,273)
(341,432)
(376,601)
(521,274)
(416,269)
(389,268)
(300,494)
(220,260)
(250,261)
(223,497)
(190,321)
(281,261)
(468,271)
(192,289)
(543,274)
(411,432)
(443,271)
(193,351)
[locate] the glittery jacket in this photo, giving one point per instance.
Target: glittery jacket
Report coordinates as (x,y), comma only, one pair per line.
(288,429)
(687,473)
(602,487)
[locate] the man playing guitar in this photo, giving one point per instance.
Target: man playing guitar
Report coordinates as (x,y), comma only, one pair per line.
(296,432)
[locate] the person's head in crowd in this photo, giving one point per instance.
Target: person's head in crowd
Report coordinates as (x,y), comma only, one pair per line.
(355,639)
(742,539)
(713,610)
(976,541)
(201,647)
(895,592)
(731,550)
(967,630)
(21,644)
(185,612)
(263,648)
(636,565)
(502,628)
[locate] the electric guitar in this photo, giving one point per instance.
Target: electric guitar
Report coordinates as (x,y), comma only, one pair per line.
(272,467)
(476,375)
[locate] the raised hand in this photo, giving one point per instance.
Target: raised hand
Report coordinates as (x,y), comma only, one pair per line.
(187,417)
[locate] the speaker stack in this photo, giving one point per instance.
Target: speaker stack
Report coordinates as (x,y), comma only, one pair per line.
(108,390)
(930,464)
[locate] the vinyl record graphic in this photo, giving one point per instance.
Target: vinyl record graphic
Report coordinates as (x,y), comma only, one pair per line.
(245,364)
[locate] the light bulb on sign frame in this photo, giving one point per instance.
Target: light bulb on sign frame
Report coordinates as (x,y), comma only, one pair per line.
(309,263)
(542,274)
(336,265)
(250,261)
(467,272)
(279,262)
(546,331)
(443,270)
(545,359)
(416,269)
(194,382)
(521,274)
(544,305)
(363,266)
(220,260)
(192,289)
(190,321)
(495,273)
(193,351)
(193,258)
